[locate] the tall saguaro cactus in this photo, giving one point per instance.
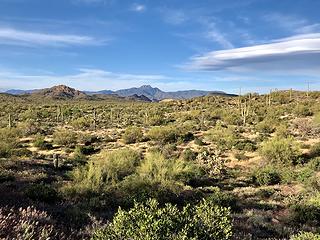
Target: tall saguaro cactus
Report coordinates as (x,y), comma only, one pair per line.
(244,110)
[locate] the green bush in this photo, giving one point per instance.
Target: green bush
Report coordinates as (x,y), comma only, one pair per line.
(149,222)
(65,138)
(40,143)
(307,210)
(106,169)
(315,150)
(132,135)
(314,164)
(42,193)
(267,175)
(302,110)
(156,168)
(8,141)
(280,150)
(223,137)
(6,176)
(306,236)
(164,134)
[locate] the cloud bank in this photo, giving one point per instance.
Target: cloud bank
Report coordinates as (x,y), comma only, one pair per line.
(294,53)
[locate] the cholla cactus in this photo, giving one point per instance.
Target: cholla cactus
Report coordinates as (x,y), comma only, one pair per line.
(212,163)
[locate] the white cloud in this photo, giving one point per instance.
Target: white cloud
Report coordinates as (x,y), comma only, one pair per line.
(138,7)
(11,36)
(297,53)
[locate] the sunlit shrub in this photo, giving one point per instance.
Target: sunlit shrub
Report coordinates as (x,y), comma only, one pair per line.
(150,221)
(132,135)
(280,150)
(65,137)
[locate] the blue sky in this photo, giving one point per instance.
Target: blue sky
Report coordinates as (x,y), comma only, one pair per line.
(171,44)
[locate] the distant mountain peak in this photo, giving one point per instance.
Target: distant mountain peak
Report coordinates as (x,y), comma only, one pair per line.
(60,91)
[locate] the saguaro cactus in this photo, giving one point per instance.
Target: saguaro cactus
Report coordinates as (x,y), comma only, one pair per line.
(9,121)
(56,161)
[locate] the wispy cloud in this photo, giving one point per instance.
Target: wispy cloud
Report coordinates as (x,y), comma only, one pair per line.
(174,16)
(300,52)
(292,23)
(84,79)
(138,7)
(11,36)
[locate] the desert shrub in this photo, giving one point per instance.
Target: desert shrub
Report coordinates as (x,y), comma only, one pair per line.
(307,210)
(40,143)
(265,127)
(106,169)
(6,176)
(28,128)
(156,168)
(149,221)
(163,135)
(306,236)
(86,139)
(315,150)
(245,145)
(304,174)
(224,199)
(81,123)
(223,137)
(267,175)
(316,119)
(198,142)
(186,137)
(8,141)
(65,137)
(188,155)
(28,223)
(132,135)
(42,193)
(280,150)
(211,163)
(302,110)
(314,164)
(282,130)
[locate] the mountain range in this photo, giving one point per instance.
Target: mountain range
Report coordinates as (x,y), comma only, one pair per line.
(143,93)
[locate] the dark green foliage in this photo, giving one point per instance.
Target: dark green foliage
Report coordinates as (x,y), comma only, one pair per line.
(202,222)
(267,175)
(6,176)
(42,193)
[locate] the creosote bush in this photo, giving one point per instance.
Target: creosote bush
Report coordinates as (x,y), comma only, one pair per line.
(8,141)
(150,221)
(280,150)
(108,168)
(306,236)
(64,137)
(132,135)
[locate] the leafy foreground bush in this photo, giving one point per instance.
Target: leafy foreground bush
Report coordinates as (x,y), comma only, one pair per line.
(306,236)
(149,222)
(280,150)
